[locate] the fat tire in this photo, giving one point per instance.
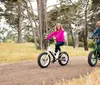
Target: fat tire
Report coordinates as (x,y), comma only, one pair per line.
(60,62)
(39,60)
(89,59)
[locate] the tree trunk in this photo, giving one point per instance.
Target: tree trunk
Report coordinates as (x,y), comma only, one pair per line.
(38,37)
(42,21)
(66,38)
(85,34)
(19,24)
(85,42)
(33,30)
(76,39)
(86,31)
(72,38)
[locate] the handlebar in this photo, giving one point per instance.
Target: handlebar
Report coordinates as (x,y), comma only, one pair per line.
(95,38)
(50,41)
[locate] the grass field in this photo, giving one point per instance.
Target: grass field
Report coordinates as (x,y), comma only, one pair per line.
(12,52)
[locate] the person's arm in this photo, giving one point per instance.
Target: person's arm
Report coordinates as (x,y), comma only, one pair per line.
(94,33)
(50,35)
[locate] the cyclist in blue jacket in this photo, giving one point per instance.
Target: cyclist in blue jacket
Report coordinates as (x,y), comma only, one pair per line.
(96,32)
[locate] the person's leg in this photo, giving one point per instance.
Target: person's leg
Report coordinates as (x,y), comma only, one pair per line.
(57,46)
(98,42)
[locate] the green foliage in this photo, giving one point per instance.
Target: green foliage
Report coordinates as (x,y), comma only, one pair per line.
(95,2)
(90,44)
(11,10)
(70,43)
(64,14)
(9,41)
(30,39)
(81,44)
(1,10)
(96,13)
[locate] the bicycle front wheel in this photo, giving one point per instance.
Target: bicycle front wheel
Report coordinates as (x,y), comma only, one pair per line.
(92,59)
(43,60)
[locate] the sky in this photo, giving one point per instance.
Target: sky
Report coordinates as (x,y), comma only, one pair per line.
(49,3)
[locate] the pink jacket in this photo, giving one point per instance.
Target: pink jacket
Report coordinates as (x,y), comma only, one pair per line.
(58,34)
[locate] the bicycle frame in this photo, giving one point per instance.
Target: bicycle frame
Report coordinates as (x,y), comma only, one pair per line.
(96,49)
(50,51)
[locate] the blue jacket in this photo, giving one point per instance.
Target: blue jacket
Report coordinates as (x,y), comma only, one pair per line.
(96,31)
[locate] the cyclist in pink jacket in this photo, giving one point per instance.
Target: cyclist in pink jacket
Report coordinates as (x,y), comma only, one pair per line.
(59,35)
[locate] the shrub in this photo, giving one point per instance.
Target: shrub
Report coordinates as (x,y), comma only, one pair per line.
(10,41)
(81,44)
(90,44)
(70,43)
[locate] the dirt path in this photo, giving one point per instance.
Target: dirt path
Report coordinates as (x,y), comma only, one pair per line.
(29,73)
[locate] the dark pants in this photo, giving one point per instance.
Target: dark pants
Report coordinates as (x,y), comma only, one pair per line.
(98,42)
(57,46)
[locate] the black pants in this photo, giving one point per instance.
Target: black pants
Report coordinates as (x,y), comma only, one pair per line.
(57,46)
(98,42)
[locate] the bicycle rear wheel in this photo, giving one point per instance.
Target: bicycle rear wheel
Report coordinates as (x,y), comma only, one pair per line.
(64,58)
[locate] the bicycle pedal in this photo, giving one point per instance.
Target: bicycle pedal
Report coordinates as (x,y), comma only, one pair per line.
(53,61)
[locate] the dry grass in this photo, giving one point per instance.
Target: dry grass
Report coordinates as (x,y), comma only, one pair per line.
(76,52)
(90,79)
(12,52)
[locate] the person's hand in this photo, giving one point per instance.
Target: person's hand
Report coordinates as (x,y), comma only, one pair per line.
(90,37)
(45,37)
(54,38)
